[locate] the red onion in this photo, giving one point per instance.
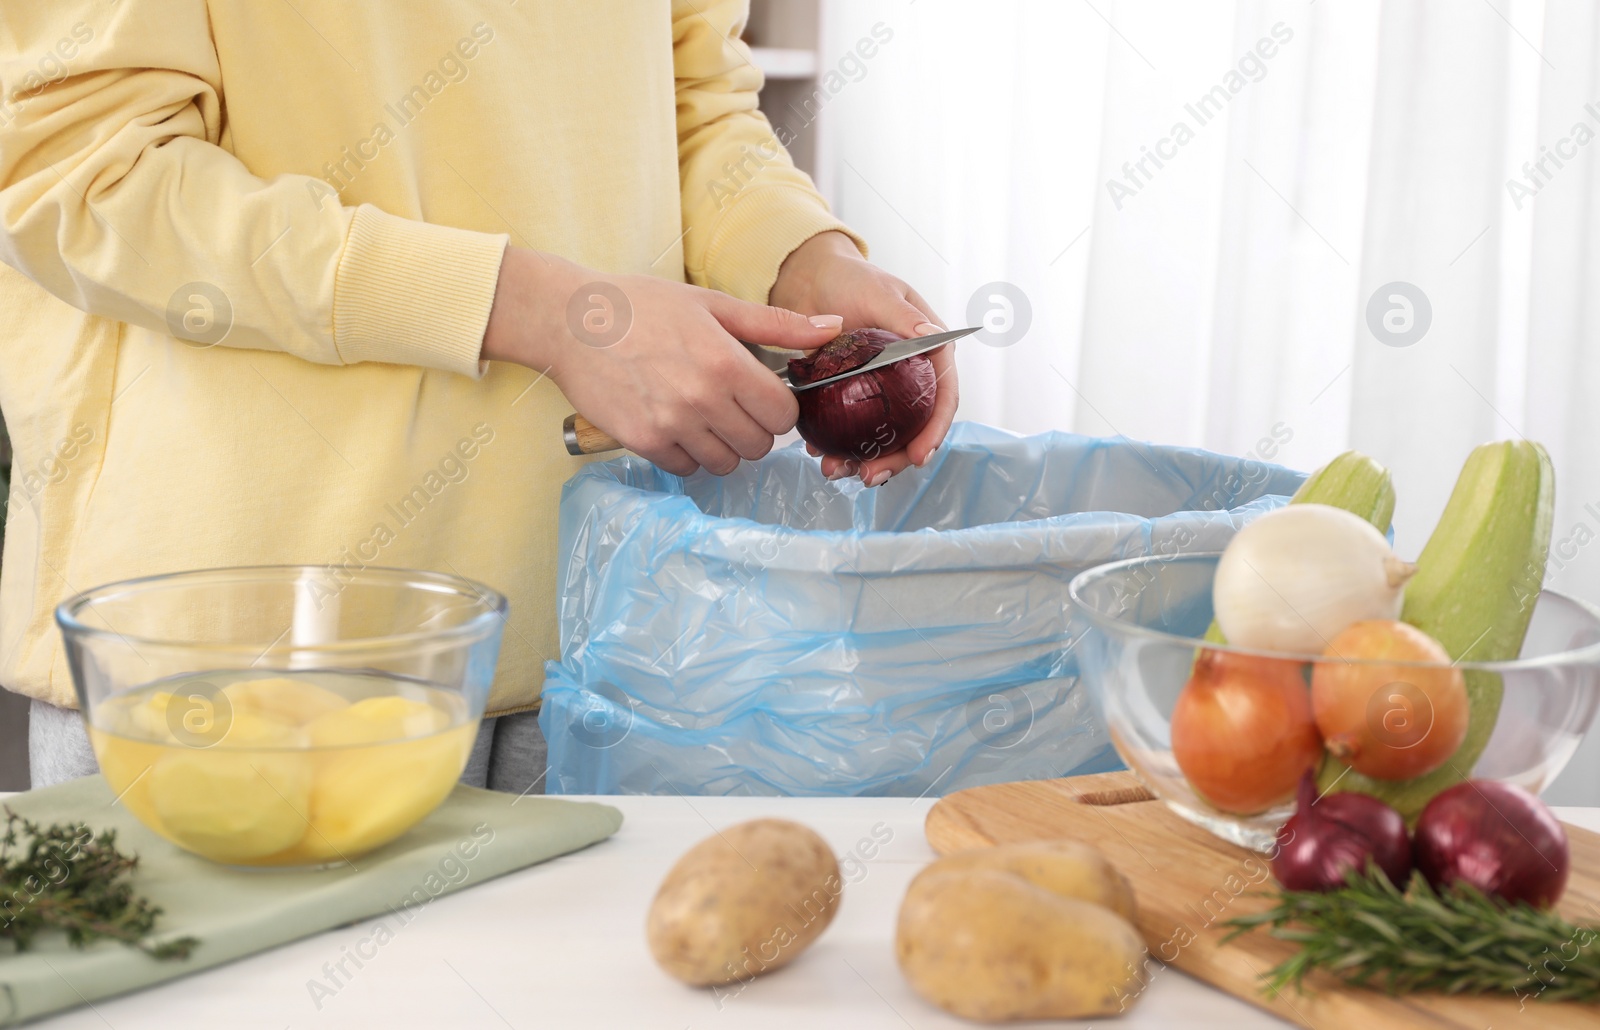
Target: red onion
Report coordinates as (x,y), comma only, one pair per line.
(1327,837)
(1497,837)
(867,415)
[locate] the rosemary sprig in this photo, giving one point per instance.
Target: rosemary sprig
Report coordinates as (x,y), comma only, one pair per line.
(1455,941)
(68,878)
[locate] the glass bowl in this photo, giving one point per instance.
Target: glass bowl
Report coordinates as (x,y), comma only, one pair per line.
(1144,620)
(283,715)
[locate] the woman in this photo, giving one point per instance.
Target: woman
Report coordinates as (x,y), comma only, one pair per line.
(318,282)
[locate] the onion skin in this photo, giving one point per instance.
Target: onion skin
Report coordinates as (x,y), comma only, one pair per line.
(1496,837)
(1242,731)
(1329,836)
(868,415)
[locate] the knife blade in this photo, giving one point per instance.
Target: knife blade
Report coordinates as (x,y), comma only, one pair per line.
(777,359)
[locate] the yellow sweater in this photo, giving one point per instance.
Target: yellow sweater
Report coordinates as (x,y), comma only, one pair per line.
(333,182)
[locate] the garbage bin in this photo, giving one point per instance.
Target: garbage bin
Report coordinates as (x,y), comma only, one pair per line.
(770,632)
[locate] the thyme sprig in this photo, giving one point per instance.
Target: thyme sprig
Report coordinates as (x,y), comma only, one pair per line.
(66,877)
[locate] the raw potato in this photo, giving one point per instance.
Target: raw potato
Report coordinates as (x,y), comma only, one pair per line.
(148,718)
(1069,868)
(295,702)
(241,800)
(375,720)
(381,764)
(989,945)
(743,902)
(364,796)
(299,775)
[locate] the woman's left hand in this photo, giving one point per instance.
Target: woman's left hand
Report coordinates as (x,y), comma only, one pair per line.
(826,275)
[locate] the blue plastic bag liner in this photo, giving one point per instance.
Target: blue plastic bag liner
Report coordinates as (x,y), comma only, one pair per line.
(770,632)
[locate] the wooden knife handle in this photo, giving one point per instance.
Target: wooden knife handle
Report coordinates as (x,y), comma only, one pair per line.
(583,437)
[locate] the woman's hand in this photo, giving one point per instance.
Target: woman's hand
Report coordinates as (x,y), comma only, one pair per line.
(828,274)
(656,364)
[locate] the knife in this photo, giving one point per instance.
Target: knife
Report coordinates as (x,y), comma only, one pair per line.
(583,437)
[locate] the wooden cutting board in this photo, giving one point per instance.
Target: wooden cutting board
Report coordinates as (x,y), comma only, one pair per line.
(1188,881)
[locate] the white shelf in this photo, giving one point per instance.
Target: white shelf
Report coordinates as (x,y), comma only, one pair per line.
(785,62)
(789,34)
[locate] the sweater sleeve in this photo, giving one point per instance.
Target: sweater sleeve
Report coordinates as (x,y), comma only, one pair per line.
(116,197)
(745,205)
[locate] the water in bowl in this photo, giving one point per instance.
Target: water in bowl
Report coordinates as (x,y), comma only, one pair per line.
(284,768)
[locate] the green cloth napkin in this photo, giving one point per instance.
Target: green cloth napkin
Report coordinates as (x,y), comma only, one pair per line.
(474,836)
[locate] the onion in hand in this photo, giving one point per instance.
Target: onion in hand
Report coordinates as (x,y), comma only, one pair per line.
(868,415)
(1499,838)
(1329,836)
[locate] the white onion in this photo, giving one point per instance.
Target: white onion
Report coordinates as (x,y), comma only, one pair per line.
(1295,578)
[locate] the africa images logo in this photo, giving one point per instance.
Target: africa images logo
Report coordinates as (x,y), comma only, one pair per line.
(1250,69)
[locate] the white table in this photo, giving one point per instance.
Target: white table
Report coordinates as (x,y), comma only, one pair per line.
(562,945)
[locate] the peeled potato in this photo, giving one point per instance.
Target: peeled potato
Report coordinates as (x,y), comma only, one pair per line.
(129,734)
(295,702)
(126,763)
(1068,868)
(382,765)
(374,720)
(149,717)
(279,770)
(990,945)
(239,799)
(743,901)
(365,796)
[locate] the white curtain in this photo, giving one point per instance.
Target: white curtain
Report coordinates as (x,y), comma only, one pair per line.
(1275,166)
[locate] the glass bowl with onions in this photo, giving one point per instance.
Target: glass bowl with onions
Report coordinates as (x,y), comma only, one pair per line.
(1238,716)
(288,716)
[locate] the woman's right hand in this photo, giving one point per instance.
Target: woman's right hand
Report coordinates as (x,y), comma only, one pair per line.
(656,364)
